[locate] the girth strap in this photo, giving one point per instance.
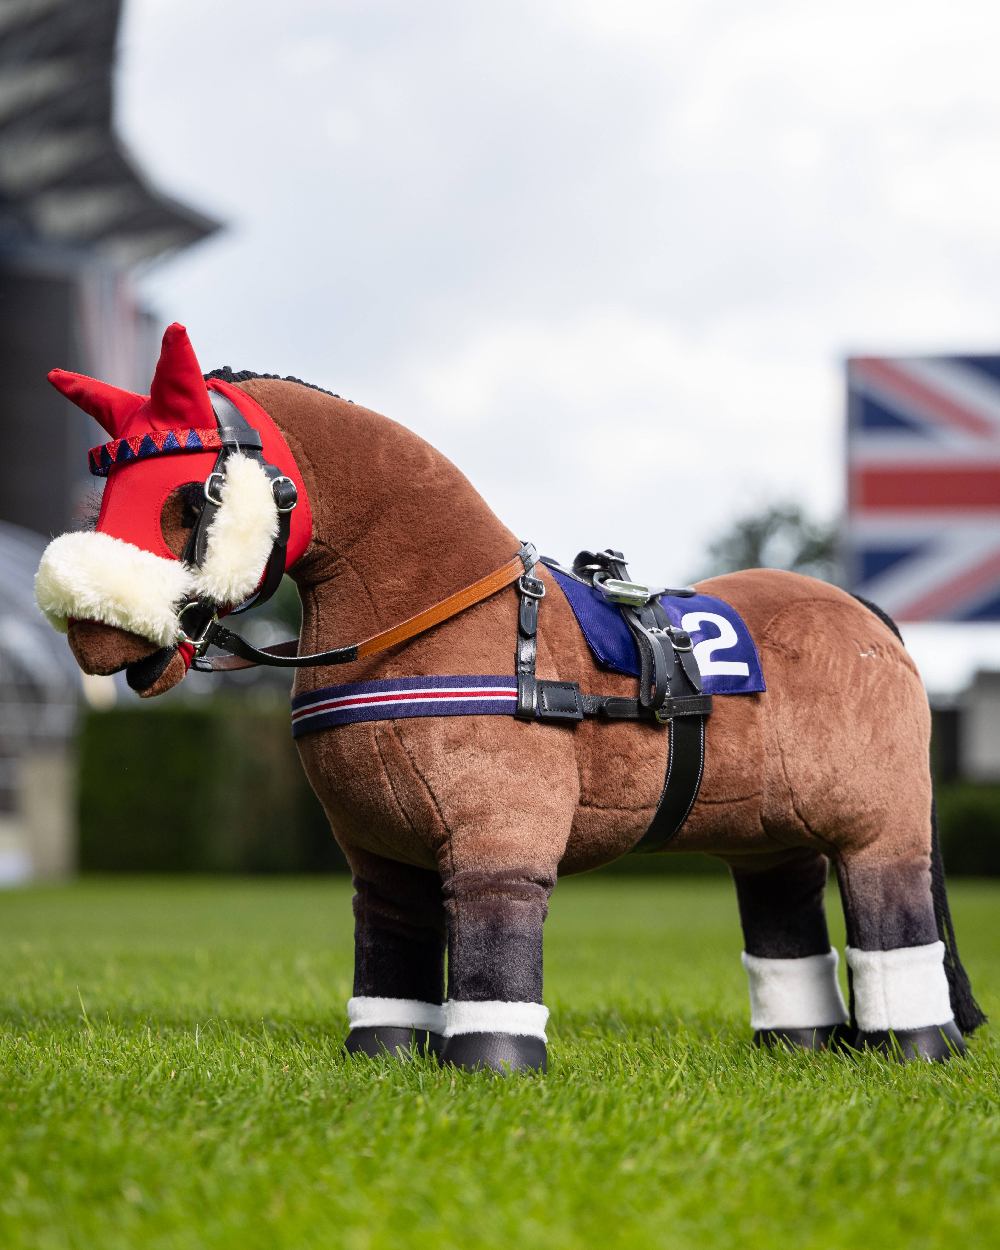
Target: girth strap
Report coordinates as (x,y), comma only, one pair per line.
(667,664)
(685,768)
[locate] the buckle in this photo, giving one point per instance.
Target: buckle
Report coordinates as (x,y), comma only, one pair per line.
(202,642)
(533,587)
(213,499)
(283,488)
(628,594)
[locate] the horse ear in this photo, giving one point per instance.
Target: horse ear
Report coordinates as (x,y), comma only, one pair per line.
(109,405)
(178,395)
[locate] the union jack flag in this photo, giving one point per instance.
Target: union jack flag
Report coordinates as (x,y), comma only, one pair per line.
(923,524)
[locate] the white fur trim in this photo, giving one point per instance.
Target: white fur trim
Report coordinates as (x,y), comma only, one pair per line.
(905,988)
(396,1013)
(794,993)
(93,577)
(520,1019)
(240,536)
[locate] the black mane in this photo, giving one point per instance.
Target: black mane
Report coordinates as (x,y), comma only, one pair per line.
(226,374)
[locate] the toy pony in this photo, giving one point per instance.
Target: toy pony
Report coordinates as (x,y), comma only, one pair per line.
(468,754)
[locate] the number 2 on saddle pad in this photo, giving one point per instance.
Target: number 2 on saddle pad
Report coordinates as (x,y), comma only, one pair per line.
(723,648)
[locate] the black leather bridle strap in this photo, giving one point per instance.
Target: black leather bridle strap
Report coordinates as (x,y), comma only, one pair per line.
(238,437)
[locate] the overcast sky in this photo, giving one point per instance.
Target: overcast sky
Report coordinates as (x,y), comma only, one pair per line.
(608,256)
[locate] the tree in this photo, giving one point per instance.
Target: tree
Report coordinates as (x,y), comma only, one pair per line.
(780,537)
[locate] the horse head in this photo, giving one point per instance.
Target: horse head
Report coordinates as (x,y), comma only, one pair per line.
(202,497)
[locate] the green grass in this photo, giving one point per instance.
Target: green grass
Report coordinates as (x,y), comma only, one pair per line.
(172,1077)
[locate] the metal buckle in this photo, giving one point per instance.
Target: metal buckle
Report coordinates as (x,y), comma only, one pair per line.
(533,587)
(217,502)
(201,643)
(629,594)
(680,640)
(275,481)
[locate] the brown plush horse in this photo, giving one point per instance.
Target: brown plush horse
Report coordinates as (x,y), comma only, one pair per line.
(456,826)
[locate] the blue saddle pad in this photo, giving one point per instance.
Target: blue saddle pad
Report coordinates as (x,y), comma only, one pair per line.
(726,654)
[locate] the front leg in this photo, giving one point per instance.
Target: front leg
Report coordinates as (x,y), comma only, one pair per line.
(399,941)
(495,1015)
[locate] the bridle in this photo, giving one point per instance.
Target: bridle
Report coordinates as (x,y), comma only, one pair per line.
(200,627)
(236,437)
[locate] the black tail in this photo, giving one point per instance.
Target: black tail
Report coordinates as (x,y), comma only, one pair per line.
(967,1012)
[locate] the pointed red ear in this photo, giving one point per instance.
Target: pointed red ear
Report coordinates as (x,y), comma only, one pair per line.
(179,396)
(109,405)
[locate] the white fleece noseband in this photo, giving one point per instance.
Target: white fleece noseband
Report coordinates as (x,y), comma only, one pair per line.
(90,576)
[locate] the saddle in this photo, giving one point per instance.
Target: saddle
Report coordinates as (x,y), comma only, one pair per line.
(670,686)
(644,641)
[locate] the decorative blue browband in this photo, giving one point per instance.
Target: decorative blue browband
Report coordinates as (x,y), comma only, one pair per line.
(723,648)
(153,443)
(398,697)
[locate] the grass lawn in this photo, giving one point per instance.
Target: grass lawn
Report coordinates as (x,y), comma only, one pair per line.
(172,1077)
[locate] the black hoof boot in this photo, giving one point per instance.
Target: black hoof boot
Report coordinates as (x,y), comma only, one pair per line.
(398,1043)
(827,1037)
(937,1043)
(496,1052)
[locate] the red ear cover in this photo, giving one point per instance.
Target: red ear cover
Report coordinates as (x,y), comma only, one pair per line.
(178,395)
(111,406)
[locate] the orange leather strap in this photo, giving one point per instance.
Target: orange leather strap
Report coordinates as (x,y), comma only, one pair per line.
(285,654)
(458,602)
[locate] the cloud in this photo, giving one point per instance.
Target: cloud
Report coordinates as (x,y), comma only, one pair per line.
(628,244)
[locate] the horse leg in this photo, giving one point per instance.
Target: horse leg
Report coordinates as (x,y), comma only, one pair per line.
(795,999)
(899,984)
(495,1016)
(398,958)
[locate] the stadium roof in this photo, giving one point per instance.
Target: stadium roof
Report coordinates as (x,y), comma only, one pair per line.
(65,177)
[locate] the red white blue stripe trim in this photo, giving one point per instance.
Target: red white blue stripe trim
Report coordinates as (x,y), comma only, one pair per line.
(398,697)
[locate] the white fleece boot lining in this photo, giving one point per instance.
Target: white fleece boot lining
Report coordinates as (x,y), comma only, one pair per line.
(794,993)
(395,1013)
(905,988)
(91,576)
(519,1019)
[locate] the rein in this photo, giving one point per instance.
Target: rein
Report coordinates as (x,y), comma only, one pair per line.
(243,655)
(200,627)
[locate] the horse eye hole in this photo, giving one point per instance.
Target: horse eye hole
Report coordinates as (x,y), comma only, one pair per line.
(192,497)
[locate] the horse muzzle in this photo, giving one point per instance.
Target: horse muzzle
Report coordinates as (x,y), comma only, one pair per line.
(102,649)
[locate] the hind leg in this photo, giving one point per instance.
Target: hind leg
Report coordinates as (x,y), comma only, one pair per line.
(900,994)
(399,941)
(794,995)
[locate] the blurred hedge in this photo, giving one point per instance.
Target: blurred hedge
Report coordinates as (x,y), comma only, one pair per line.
(969,820)
(216,786)
(198,787)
